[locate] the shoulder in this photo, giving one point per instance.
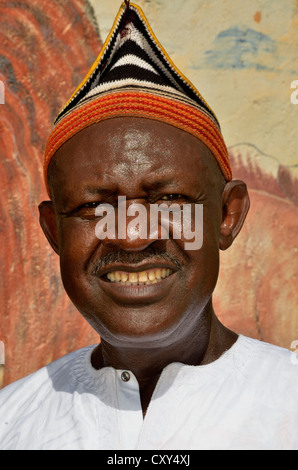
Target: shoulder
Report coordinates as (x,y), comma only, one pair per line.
(59,375)
(273,367)
(36,394)
(267,353)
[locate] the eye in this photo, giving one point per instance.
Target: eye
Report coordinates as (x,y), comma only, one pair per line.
(172,197)
(84,211)
(90,205)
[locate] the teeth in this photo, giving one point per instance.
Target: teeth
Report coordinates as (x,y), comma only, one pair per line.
(111,277)
(133,277)
(163,273)
(143,276)
(151,276)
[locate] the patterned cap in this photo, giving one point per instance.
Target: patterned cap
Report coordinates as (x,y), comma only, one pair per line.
(134,76)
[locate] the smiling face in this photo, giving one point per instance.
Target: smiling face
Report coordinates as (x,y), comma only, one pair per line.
(135,291)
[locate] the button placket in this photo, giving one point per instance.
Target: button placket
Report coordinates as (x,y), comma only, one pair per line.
(130,413)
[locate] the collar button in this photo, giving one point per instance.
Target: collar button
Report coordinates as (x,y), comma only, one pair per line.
(125,376)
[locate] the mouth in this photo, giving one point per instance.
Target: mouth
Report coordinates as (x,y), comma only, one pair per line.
(138,278)
(134,283)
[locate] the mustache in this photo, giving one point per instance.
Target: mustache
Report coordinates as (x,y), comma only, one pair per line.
(120,256)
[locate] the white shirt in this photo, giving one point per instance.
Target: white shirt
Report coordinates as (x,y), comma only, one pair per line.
(247,399)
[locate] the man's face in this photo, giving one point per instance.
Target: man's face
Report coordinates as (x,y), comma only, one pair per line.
(149,163)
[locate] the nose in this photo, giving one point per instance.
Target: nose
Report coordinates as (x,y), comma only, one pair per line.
(132,228)
(129,245)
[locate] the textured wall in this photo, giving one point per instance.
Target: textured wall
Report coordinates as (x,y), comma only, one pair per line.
(40,65)
(242,56)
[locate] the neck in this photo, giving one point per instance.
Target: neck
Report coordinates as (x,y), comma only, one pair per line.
(203,345)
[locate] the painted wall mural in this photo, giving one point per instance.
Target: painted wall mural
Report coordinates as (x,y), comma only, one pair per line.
(40,65)
(257,291)
(242,60)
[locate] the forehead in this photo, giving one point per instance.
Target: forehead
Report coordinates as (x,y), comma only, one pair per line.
(132,148)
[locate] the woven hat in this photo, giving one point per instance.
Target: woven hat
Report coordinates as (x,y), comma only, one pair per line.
(134,76)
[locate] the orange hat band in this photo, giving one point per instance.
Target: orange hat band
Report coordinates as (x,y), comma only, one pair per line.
(140,104)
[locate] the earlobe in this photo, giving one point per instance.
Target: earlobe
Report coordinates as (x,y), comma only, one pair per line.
(235,206)
(47,220)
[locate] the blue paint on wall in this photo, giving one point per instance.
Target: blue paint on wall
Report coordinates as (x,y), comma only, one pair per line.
(242,48)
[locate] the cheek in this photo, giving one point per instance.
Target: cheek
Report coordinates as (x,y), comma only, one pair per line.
(196,226)
(78,243)
(203,255)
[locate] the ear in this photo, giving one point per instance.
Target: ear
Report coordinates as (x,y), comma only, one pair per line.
(47,220)
(235,206)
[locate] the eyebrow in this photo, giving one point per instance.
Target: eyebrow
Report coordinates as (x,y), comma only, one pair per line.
(160,184)
(147,186)
(97,189)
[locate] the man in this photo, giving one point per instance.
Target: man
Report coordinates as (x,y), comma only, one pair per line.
(166,373)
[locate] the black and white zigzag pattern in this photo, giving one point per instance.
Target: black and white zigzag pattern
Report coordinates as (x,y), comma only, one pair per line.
(134,59)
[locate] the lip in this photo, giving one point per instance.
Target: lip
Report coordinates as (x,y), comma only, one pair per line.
(135,268)
(136,294)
